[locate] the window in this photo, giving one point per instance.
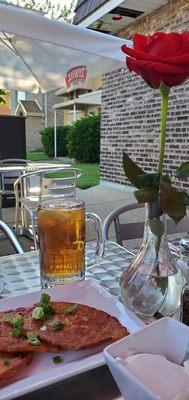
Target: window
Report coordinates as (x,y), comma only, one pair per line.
(21,96)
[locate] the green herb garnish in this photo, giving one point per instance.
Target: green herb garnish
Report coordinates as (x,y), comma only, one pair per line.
(57,325)
(16,331)
(38,313)
(71,309)
(8,318)
(17,321)
(33,338)
(44,303)
(5,361)
(57,360)
(43,328)
(45,298)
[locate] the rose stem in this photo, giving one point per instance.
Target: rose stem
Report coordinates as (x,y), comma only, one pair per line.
(164,107)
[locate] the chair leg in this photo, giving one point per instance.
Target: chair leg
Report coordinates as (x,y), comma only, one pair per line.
(32,216)
(17,218)
(1,203)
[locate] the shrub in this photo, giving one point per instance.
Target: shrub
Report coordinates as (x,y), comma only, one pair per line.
(47,138)
(84,140)
(70,142)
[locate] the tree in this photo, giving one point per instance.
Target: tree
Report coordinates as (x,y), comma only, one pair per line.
(2,97)
(51,8)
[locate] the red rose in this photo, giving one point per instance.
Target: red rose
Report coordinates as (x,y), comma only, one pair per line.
(162,57)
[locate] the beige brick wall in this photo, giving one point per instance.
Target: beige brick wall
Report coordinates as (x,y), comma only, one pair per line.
(33,138)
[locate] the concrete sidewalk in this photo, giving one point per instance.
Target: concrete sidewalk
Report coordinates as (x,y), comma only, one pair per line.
(100,199)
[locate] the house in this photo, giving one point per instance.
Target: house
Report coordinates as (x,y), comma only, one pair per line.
(5,109)
(78,98)
(130,110)
(32,110)
(110,16)
(38,110)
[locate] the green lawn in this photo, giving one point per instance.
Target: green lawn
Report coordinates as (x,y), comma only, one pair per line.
(37,156)
(91,172)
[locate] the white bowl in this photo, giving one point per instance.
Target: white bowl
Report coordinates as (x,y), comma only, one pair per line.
(167,337)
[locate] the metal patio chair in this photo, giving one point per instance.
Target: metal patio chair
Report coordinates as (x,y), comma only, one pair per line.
(34,187)
(135,230)
(7,179)
(9,234)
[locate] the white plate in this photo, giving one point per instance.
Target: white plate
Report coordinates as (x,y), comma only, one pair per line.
(43,371)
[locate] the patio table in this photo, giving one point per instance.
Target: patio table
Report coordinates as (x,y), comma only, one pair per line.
(33,166)
(20,274)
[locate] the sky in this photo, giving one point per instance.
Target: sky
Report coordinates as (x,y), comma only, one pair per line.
(66,2)
(54,12)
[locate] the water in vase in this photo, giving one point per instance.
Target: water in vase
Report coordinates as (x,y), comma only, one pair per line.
(153,281)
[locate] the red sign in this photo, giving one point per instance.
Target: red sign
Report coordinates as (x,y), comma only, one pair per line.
(76,75)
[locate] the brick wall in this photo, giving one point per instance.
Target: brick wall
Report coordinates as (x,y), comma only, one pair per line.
(131,110)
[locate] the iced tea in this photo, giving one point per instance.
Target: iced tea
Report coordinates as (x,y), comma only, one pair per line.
(61,226)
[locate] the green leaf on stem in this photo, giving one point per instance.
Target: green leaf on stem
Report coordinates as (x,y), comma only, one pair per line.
(150,180)
(146,195)
(162,283)
(166,179)
(185,198)
(183,171)
(132,171)
(171,202)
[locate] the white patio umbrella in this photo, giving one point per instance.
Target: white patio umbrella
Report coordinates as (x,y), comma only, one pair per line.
(36,53)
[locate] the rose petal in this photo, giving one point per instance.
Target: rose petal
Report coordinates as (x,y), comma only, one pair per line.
(181,61)
(185,35)
(140,42)
(165,46)
(145,71)
(174,80)
(140,55)
(155,36)
(154,74)
(184,48)
(167,68)
(161,57)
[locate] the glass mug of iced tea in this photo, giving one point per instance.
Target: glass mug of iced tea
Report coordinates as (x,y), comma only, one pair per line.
(61,228)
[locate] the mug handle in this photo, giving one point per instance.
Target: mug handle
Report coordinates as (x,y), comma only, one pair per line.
(100,244)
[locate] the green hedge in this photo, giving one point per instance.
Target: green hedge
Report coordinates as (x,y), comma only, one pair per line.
(80,141)
(84,140)
(47,138)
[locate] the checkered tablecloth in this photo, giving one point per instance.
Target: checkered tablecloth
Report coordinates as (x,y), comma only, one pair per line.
(20,273)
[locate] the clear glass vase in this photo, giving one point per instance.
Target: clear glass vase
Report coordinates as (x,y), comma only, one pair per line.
(153,281)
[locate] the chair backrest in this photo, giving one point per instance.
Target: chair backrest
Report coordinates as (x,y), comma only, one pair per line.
(135,230)
(15,161)
(42,184)
(8,178)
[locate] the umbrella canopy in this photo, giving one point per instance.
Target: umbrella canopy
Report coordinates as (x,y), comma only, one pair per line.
(36,53)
